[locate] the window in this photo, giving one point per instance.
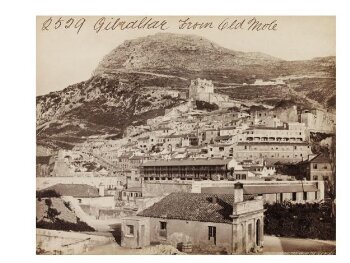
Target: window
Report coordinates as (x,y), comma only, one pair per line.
(314,166)
(315,177)
(294,196)
(305,196)
(130,230)
(325,178)
(212,233)
(163,229)
(221,149)
(162,225)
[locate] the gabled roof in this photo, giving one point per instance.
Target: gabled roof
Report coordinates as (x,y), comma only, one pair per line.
(75,190)
(193,207)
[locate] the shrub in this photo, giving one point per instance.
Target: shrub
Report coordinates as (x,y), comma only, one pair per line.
(300,220)
(203,105)
(59,224)
(46,194)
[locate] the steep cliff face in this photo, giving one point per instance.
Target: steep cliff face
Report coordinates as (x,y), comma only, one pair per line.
(98,106)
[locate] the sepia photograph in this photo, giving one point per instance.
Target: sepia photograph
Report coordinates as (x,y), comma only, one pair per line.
(185,135)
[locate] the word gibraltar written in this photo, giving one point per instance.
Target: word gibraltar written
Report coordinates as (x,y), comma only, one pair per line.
(147,23)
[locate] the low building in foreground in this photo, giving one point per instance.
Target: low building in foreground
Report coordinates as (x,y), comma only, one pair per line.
(298,192)
(270,191)
(208,222)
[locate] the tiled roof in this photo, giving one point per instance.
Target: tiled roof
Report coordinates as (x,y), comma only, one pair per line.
(223,137)
(187,162)
(320,159)
(133,189)
(228,128)
(193,207)
(75,190)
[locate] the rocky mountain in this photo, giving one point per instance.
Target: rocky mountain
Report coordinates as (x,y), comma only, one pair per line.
(177,54)
(128,85)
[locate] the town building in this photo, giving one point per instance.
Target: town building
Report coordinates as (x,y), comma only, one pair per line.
(285,114)
(277,192)
(44,166)
(130,194)
(232,223)
(319,167)
(271,191)
(284,152)
(85,194)
(290,132)
(188,169)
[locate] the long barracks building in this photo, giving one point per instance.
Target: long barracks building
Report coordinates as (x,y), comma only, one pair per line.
(187,169)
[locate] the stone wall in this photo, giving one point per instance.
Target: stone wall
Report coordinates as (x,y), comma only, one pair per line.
(179,231)
(159,188)
(44,182)
(67,243)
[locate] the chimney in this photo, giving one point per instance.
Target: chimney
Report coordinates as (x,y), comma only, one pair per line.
(213,199)
(238,192)
(101,190)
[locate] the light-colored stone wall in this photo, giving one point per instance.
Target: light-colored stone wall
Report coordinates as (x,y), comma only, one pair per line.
(44,182)
(179,231)
(67,243)
(150,189)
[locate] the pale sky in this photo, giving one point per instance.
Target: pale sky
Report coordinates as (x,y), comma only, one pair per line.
(65,57)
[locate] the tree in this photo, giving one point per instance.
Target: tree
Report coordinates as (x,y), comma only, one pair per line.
(52,213)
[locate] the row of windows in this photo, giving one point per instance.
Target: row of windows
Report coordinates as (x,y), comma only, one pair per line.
(274,148)
(133,194)
(316,166)
(280,196)
(320,177)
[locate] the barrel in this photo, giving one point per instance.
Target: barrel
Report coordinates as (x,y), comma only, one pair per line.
(187,247)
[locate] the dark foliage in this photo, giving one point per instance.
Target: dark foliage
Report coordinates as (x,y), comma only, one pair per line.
(300,220)
(47,193)
(58,224)
(203,105)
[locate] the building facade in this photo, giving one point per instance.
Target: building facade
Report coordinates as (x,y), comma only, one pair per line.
(188,169)
(272,151)
(209,222)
